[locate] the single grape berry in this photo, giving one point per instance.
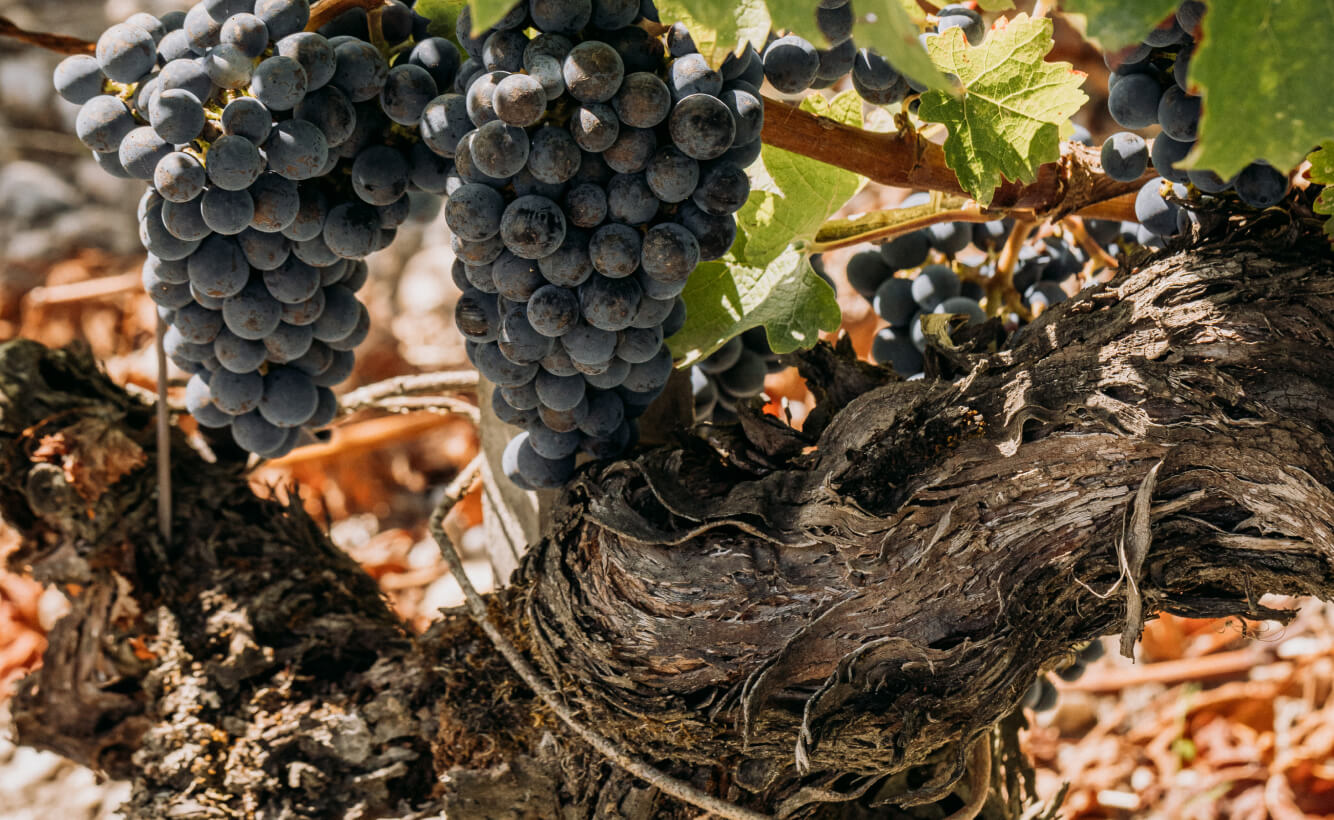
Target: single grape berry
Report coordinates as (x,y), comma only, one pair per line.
(702,126)
(790,64)
(520,100)
(1260,186)
(532,227)
(1125,156)
(593,72)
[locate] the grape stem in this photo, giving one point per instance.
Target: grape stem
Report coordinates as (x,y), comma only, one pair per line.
(457,489)
(328,10)
(1002,284)
(375,27)
(1096,252)
(1009,255)
(878,226)
(446,405)
(1074,184)
(59,43)
(416,383)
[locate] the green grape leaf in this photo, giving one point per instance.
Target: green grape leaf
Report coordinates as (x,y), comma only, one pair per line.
(725,298)
(793,195)
(914,11)
(845,108)
(766,279)
(1008,120)
(1322,172)
(719,27)
(443,14)
(1264,68)
(1115,24)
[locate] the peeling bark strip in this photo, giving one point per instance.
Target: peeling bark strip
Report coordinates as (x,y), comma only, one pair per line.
(796,630)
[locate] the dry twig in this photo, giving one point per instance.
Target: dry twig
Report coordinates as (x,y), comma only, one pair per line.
(428,404)
(98,288)
(445,382)
(59,43)
(163,414)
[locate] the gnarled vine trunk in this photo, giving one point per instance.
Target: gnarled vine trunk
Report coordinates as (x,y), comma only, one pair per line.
(805,624)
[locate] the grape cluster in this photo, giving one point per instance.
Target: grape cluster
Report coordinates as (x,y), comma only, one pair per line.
(277,159)
(1042,695)
(1148,86)
(595,173)
(918,273)
(733,373)
(793,64)
(924,287)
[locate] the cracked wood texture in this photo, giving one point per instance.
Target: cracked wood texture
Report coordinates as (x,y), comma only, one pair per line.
(811,624)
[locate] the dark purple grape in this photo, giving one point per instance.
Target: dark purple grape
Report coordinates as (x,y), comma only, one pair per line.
(593,72)
(532,227)
(439,58)
(701,126)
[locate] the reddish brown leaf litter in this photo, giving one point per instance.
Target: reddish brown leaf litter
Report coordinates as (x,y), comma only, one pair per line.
(1218,719)
(22,637)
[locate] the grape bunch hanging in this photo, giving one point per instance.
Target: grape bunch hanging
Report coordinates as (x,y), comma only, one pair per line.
(277,159)
(944,269)
(597,174)
(586,174)
(1150,85)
